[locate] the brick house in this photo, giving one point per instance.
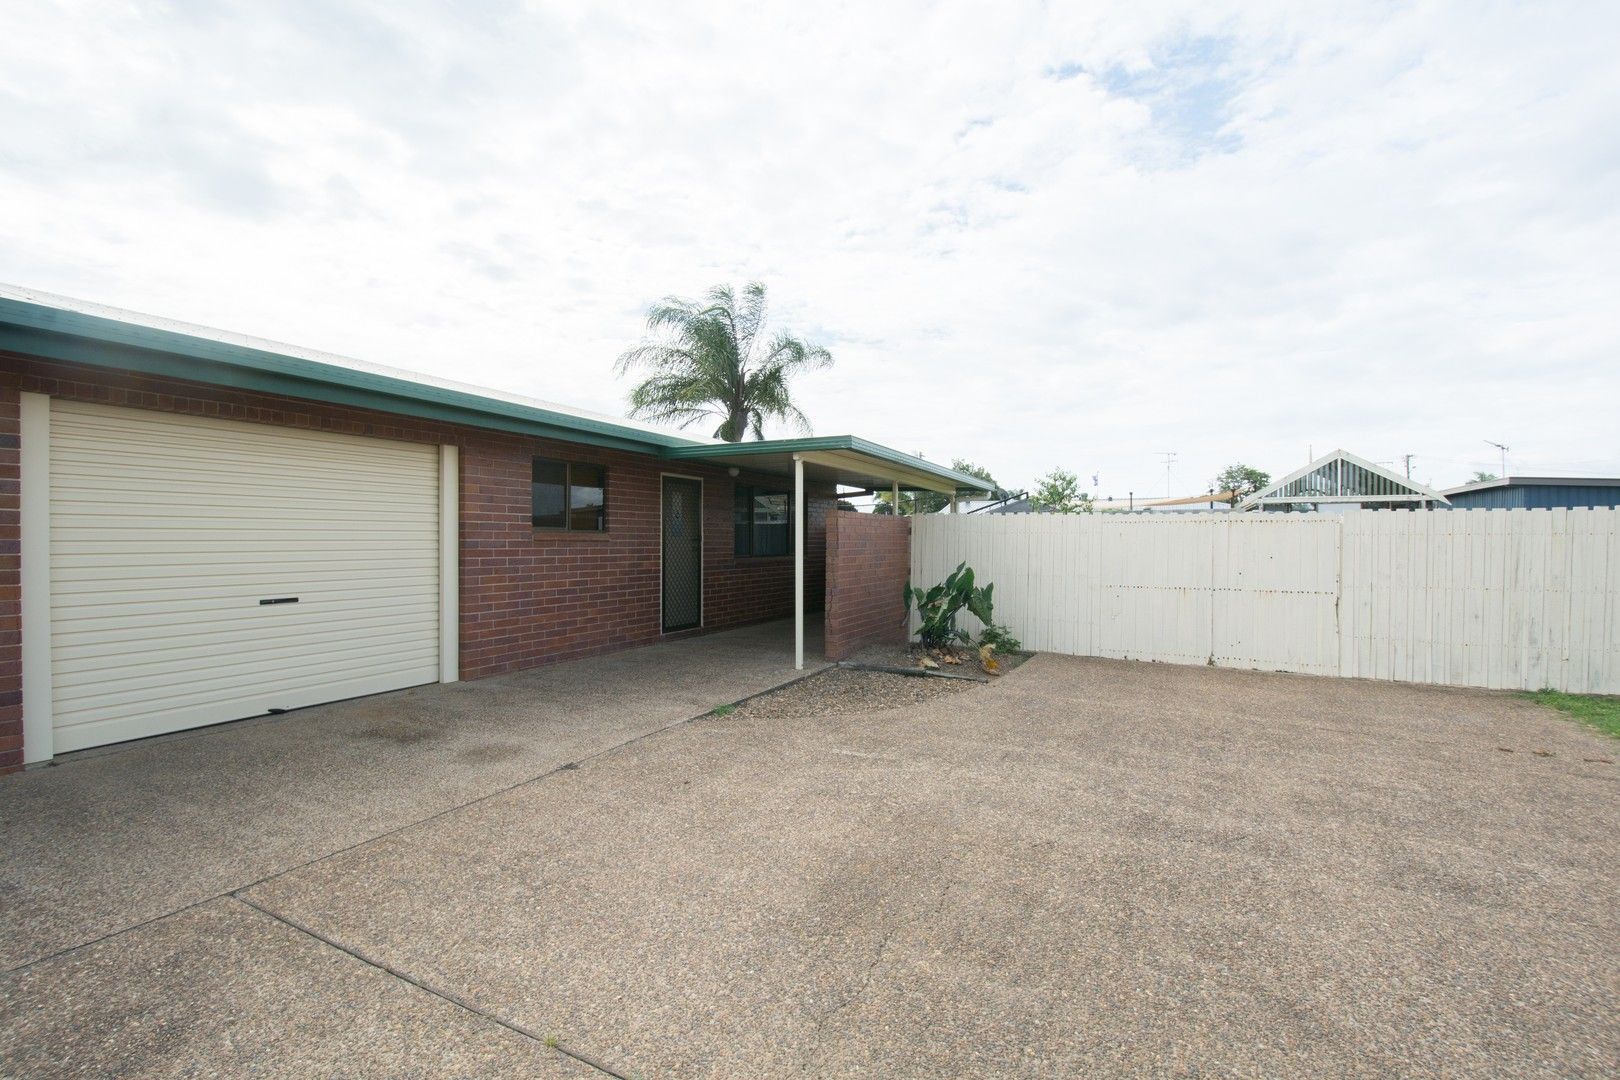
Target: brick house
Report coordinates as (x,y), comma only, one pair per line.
(198,527)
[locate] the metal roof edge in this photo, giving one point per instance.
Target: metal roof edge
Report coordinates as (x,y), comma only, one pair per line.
(27,326)
(817,443)
(1534,481)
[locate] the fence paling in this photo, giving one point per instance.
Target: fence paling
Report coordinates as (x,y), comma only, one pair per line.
(1496,598)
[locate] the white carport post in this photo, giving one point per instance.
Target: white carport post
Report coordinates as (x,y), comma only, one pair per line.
(894,495)
(798,562)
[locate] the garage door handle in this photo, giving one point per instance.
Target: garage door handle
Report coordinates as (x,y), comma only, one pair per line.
(279,600)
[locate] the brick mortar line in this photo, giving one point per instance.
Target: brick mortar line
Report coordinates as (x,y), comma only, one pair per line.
(566,766)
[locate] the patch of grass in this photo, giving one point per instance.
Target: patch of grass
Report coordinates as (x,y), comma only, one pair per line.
(1594,710)
(722,710)
(552,1041)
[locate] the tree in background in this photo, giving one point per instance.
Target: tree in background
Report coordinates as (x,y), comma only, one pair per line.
(932,502)
(1241,481)
(1481,477)
(1058,492)
(713,359)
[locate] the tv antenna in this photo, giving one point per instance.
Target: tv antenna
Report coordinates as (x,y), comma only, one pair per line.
(1169,461)
(1504,450)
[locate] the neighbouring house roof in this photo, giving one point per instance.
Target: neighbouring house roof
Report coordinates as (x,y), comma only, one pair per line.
(1342,477)
(1191,500)
(61,328)
(1534,481)
(1023,505)
(1013,506)
(1193,503)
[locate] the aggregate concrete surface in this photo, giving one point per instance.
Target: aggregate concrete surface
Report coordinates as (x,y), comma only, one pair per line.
(113,837)
(223,990)
(1088,867)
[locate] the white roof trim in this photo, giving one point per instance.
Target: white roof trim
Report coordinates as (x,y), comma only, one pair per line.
(1418,492)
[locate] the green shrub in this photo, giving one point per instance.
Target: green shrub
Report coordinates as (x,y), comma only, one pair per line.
(1000,638)
(939,606)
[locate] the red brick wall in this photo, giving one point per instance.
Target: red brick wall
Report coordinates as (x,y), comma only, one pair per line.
(531,596)
(10,583)
(736,586)
(868,562)
(528,596)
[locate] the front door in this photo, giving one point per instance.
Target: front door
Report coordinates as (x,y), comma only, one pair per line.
(683,553)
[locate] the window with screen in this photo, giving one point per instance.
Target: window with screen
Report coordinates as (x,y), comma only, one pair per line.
(569,496)
(762,522)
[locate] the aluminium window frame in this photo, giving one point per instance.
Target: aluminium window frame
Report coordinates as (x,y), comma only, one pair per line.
(568,465)
(761,489)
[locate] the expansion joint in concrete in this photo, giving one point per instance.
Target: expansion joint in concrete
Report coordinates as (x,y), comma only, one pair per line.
(447,996)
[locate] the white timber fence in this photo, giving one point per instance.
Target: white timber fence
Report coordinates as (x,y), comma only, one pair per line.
(1506,599)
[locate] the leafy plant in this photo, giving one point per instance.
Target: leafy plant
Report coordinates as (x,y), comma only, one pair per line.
(939,606)
(1000,638)
(995,635)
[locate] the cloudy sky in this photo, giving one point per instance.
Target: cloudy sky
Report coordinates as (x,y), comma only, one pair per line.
(1032,234)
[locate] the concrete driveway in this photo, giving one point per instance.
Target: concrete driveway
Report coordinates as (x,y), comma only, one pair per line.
(1090,867)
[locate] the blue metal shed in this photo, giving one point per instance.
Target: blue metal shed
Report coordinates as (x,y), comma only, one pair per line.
(1536,493)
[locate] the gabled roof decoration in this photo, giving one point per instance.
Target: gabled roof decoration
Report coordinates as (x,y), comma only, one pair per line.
(1342,477)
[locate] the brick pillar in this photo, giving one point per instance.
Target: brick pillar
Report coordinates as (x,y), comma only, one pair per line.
(868,564)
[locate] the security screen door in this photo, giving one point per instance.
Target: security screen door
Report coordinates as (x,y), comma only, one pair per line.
(683,553)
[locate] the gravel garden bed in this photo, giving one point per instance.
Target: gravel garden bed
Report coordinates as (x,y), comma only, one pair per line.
(854,687)
(842,691)
(911,655)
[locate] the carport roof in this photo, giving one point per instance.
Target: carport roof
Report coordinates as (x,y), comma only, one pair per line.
(61,328)
(841,459)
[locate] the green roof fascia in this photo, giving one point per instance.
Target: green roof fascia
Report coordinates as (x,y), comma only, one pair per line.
(53,333)
(822,443)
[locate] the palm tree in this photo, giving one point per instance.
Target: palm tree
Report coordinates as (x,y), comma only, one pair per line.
(713,359)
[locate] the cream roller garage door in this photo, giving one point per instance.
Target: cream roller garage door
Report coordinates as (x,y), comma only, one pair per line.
(205,570)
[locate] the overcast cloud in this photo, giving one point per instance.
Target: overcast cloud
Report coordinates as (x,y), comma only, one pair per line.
(1032,234)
